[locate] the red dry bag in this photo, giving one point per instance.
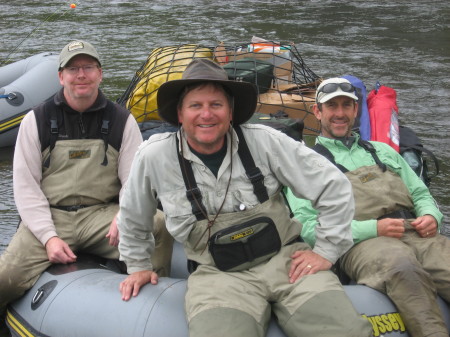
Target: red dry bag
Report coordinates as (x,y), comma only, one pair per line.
(383,112)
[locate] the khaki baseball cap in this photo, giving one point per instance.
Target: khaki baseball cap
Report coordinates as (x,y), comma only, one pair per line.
(75,48)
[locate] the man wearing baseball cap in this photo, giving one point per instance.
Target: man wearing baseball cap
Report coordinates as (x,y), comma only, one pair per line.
(75,48)
(398,248)
(72,158)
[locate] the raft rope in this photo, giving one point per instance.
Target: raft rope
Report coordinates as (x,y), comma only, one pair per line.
(8,57)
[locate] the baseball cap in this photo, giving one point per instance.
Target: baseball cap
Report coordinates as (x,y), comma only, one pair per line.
(334,87)
(75,48)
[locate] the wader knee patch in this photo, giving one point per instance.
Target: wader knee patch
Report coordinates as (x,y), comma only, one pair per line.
(328,313)
(225,322)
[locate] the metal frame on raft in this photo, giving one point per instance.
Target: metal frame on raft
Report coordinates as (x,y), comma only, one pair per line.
(286,85)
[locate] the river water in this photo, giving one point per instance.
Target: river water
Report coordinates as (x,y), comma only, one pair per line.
(401,44)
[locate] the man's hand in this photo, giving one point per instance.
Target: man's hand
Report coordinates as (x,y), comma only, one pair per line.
(113,233)
(425,225)
(306,262)
(59,252)
(393,228)
(133,283)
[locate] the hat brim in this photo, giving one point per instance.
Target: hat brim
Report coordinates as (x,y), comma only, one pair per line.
(245,96)
(67,60)
(327,97)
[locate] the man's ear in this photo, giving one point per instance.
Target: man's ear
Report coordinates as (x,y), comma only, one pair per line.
(317,112)
(180,118)
(60,76)
(356,110)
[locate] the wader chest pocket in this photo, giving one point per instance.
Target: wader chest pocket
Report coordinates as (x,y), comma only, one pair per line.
(245,245)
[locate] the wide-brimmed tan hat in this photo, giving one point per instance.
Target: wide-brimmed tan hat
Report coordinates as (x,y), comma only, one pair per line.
(204,70)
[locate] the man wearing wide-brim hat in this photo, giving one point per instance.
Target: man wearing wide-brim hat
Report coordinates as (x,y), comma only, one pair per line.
(219,181)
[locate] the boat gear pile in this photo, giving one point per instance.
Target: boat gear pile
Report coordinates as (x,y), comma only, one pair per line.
(285,84)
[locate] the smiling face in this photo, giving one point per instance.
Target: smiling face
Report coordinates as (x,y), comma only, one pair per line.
(81,86)
(205,113)
(337,116)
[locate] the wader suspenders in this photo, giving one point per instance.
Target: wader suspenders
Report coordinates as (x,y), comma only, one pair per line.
(104,131)
(319,148)
(192,191)
(253,173)
(54,132)
(369,148)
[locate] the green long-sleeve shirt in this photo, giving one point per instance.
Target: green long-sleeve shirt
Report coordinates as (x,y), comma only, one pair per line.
(352,159)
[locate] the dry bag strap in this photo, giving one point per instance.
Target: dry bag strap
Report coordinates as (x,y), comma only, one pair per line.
(253,173)
(192,191)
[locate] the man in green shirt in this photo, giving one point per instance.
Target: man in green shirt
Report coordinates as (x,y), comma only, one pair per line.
(398,248)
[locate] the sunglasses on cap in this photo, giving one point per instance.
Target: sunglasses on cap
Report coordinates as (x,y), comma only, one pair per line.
(332,87)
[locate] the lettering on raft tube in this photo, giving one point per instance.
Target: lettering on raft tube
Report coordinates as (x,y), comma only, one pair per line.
(386,323)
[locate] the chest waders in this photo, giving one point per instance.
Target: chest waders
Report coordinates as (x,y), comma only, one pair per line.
(73,165)
(76,178)
(379,192)
(410,269)
(239,240)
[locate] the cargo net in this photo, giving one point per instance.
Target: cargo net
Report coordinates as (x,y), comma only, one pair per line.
(286,86)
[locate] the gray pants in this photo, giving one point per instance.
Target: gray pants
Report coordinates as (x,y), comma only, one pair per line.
(25,258)
(410,271)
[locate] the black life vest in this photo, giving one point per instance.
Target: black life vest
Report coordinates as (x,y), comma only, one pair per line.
(58,122)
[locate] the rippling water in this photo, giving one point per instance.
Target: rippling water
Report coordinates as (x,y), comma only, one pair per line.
(402,44)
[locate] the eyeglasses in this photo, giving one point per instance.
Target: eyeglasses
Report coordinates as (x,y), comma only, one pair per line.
(87,69)
(332,87)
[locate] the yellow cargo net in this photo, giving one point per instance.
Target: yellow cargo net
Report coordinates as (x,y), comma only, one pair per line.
(286,86)
(163,64)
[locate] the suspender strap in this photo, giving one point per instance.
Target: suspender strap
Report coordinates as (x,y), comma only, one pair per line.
(369,148)
(192,191)
(104,130)
(54,131)
(320,149)
(253,173)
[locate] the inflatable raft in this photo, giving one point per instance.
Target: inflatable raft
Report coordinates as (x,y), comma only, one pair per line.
(83,299)
(23,85)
